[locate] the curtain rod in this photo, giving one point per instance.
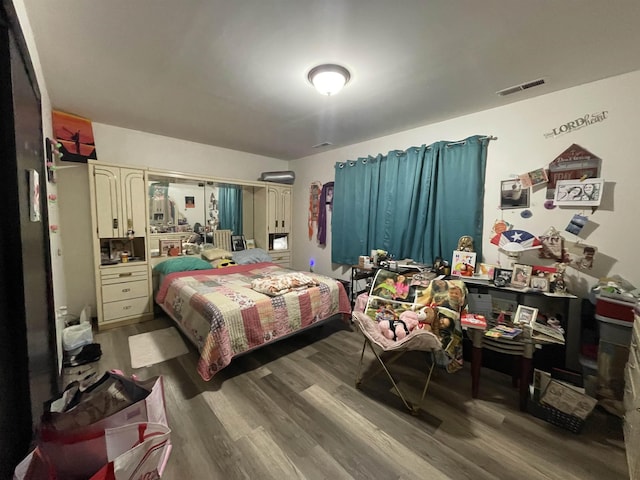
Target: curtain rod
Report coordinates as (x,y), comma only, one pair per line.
(488,137)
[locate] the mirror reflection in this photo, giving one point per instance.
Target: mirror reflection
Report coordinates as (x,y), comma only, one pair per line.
(189,206)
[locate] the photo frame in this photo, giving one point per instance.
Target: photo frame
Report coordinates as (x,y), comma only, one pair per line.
(513,194)
(502,276)
(577,193)
(525,315)
(521,275)
(540,284)
(251,243)
(170,247)
(238,243)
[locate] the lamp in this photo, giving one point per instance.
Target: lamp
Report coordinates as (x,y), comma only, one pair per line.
(329,79)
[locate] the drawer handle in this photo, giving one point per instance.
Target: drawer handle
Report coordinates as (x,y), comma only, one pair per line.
(124,290)
(125,274)
(127,307)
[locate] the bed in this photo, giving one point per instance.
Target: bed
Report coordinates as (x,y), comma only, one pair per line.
(225,316)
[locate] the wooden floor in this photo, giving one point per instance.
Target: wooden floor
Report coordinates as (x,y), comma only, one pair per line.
(290,410)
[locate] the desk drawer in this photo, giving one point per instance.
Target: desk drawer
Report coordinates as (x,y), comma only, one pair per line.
(125,290)
(125,308)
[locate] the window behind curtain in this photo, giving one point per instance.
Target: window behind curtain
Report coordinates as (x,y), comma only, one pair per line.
(414,204)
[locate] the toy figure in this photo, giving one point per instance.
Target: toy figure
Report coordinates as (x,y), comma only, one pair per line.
(465,244)
(400,328)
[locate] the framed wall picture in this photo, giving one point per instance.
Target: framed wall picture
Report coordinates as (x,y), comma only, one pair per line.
(251,243)
(238,243)
(576,193)
(525,315)
(513,194)
(521,276)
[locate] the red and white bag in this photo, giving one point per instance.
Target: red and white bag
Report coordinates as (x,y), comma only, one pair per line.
(79,452)
(136,452)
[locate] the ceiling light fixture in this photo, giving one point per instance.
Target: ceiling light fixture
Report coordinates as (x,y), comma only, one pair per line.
(329,79)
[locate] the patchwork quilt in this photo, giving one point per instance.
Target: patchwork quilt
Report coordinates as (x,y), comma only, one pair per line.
(224,316)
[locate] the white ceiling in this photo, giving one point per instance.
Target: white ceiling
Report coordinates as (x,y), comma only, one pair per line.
(232,73)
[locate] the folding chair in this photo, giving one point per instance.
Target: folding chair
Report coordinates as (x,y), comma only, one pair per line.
(422,340)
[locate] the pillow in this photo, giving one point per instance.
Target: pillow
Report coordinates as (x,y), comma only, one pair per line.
(181,264)
(211,254)
(252,255)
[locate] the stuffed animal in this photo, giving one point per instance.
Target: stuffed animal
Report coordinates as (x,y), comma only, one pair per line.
(400,328)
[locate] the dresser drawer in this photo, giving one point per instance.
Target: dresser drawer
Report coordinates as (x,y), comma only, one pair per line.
(124,290)
(120,274)
(125,308)
(281,258)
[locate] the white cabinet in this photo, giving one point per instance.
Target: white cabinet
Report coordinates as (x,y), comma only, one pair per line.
(120,200)
(272,221)
(279,209)
(119,220)
(632,400)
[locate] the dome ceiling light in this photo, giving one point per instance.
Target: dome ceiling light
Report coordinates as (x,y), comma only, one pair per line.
(329,79)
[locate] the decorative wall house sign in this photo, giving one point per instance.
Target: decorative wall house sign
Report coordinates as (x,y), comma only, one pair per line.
(574,163)
(578,123)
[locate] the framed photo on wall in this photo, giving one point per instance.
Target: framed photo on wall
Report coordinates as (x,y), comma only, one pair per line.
(513,194)
(576,193)
(238,243)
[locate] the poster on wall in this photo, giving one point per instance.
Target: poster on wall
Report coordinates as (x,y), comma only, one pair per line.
(75,135)
(34,196)
(574,163)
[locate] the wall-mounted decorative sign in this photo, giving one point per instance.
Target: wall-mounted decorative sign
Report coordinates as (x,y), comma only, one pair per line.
(574,163)
(578,123)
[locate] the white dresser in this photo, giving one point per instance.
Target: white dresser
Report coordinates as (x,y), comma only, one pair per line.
(632,400)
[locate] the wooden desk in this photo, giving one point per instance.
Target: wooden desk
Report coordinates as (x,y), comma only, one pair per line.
(568,305)
(523,348)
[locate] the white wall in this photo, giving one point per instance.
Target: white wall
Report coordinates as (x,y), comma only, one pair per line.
(130,147)
(521,147)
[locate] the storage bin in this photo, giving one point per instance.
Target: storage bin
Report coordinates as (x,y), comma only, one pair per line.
(616,309)
(616,331)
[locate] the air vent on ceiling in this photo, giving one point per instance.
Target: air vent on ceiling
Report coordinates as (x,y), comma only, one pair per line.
(523,86)
(323,144)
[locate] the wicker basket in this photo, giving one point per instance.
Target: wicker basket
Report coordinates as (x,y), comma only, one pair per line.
(556,417)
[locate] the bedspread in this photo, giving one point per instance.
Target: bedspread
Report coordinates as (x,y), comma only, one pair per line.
(224,317)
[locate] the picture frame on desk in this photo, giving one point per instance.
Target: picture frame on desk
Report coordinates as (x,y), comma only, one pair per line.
(525,315)
(238,243)
(170,247)
(521,276)
(502,276)
(539,284)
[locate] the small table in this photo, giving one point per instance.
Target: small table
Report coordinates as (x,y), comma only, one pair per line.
(523,348)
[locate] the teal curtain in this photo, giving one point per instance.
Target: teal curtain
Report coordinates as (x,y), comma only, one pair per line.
(414,204)
(230,208)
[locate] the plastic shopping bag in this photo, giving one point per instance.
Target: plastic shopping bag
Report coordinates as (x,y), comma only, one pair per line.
(136,451)
(35,466)
(74,440)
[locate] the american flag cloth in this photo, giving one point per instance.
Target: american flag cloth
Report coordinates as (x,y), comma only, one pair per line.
(516,240)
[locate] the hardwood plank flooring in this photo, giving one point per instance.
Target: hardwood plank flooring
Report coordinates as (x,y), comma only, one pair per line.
(291,411)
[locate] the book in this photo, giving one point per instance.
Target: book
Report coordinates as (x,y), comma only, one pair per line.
(546,333)
(473,320)
(503,331)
